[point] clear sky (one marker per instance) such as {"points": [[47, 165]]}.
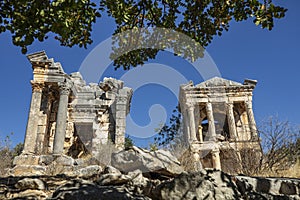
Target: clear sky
{"points": [[246, 51]]}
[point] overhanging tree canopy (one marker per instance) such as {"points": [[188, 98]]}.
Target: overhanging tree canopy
{"points": [[71, 21]]}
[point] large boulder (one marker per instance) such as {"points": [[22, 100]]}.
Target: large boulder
{"points": [[160, 161], [78, 190], [212, 184], [275, 187]]}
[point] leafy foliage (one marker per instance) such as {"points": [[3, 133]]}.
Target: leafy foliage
{"points": [[153, 147], [168, 132], [200, 20], [70, 21], [128, 142]]}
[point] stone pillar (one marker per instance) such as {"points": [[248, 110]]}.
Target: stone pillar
{"points": [[32, 124], [192, 125], [47, 135], [187, 134], [211, 122], [61, 119], [231, 121], [216, 162], [251, 119], [200, 133], [121, 107]]}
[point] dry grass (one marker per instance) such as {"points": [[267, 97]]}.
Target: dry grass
{"points": [[292, 172]]}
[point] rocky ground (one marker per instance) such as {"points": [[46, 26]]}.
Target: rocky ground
{"points": [[140, 174], [112, 184]]}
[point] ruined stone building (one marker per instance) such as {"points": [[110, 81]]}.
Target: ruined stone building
{"points": [[219, 124], [69, 118], [65, 111]]}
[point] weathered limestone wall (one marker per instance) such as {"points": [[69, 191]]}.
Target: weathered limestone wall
{"points": [[217, 118], [69, 117]]}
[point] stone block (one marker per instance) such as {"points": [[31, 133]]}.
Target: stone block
{"points": [[111, 170], [64, 161], [113, 179], [26, 160], [28, 170], [30, 183], [121, 114], [87, 171], [46, 159], [41, 129]]}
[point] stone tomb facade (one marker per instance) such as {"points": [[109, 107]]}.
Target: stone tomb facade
{"points": [[68, 117], [218, 123]]}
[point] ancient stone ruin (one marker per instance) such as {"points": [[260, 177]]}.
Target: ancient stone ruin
{"points": [[69, 121], [219, 124], [69, 117]]}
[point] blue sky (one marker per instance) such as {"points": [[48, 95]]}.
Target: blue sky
{"points": [[246, 51]]}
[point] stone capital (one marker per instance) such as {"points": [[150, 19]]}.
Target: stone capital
{"points": [[64, 89], [229, 104], [191, 106], [36, 86], [248, 104]]}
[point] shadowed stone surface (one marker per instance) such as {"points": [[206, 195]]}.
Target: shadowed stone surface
{"points": [[208, 184]]}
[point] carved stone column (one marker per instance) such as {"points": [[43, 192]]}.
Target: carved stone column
{"points": [[186, 126], [200, 133], [51, 98], [231, 121], [61, 119], [192, 125], [211, 122], [32, 124], [251, 119], [216, 162]]}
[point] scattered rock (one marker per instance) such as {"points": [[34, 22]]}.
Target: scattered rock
{"points": [[86, 190], [83, 162], [28, 170], [278, 187], [111, 170], [64, 160], [28, 194], [206, 184], [30, 183], [289, 188], [138, 179], [160, 161], [113, 179], [214, 185], [87, 171]]}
